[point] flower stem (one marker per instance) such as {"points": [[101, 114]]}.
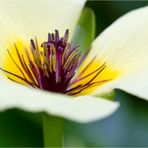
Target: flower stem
{"points": [[52, 130]]}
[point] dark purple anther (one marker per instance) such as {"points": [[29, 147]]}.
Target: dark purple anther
{"points": [[59, 65], [53, 66]]}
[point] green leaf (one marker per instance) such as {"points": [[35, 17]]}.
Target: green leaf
{"points": [[17, 131], [85, 30]]}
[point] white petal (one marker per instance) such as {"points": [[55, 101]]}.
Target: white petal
{"points": [[136, 84], [124, 44], [38, 17], [81, 109]]}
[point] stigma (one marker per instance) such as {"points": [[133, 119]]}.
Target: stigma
{"points": [[53, 66]]}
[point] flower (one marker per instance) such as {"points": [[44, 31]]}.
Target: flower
{"points": [[111, 60], [53, 66]]}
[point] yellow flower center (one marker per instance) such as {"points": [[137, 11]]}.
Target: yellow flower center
{"points": [[56, 65]]}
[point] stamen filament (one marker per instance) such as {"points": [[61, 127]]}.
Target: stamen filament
{"points": [[53, 66]]}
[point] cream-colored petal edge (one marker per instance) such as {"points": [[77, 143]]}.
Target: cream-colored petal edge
{"points": [[81, 109]]}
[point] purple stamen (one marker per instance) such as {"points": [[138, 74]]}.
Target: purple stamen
{"points": [[53, 68]]}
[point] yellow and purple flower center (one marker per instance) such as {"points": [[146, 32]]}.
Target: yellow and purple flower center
{"points": [[54, 65]]}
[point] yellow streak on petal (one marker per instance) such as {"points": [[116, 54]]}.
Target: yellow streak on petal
{"points": [[106, 75], [8, 63]]}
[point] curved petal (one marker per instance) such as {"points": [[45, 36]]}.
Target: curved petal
{"points": [[124, 46], [31, 18], [81, 109], [135, 84]]}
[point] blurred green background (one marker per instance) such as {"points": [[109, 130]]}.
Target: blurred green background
{"points": [[127, 127]]}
